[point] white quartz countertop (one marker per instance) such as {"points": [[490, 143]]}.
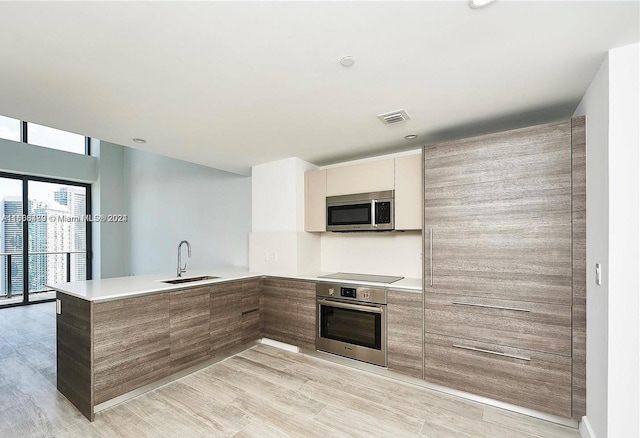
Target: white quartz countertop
{"points": [[109, 289]]}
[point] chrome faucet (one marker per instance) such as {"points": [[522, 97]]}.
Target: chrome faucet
{"points": [[180, 268]]}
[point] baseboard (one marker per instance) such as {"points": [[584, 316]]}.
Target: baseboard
{"points": [[585, 429], [280, 345]]}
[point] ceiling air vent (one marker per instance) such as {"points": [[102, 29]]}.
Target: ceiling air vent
{"points": [[394, 117]]}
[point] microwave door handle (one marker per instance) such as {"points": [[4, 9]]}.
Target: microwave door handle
{"points": [[373, 213]]}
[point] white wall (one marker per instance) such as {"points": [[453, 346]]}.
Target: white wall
{"points": [[613, 327], [278, 243], [274, 196], [171, 200], [108, 196], [595, 105], [624, 261], [373, 253]]}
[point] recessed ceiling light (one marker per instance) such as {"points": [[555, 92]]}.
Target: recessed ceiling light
{"points": [[477, 4], [348, 61], [139, 140], [410, 136]]}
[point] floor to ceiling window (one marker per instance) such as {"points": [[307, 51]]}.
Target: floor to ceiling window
{"points": [[11, 272], [44, 234], [52, 214]]}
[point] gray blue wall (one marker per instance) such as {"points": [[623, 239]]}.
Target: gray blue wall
{"points": [[170, 200], [167, 200]]}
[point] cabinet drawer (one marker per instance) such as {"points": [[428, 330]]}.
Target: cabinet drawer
{"points": [[131, 344], [251, 325], [527, 378], [521, 324], [225, 324], [189, 323], [404, 333], [251, 294]]}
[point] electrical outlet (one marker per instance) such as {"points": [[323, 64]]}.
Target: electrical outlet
{"points": [[274, 256], [266, 256], [59, 307]]}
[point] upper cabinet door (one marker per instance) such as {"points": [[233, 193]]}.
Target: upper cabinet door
{"points": [[499, 206], [315, 201], [408, 177], [376, 176]]}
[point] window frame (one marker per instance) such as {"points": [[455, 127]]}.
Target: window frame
{"points": [[25, 230], [24, 138]]}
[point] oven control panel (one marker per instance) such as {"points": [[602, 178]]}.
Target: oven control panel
{"points": [[352, 292], [348, 292]]}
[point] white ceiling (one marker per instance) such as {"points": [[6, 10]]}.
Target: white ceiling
{"points": [[233, 84]]}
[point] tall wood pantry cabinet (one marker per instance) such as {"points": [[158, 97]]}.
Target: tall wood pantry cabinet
{"points": [[504, 302]]}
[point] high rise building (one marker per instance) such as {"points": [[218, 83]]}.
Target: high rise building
{"points": [[49, 239], [75, 199], [59, 236], [37, 239], [11, 242]]}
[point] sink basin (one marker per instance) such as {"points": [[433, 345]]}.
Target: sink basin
{"points": [[189, 279]]}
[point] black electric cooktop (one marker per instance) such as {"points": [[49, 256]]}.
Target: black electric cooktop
{"points": [[362, 277]]}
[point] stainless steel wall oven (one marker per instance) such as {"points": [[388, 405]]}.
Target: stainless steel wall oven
{"points": [[352, 321]]}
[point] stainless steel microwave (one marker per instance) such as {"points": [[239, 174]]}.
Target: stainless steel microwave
{"points": [[361, 212]]}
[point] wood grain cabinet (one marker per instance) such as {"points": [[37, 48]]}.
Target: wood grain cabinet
{"points": [[498, 266], [251, 310], [404, 332], [527, 324], [189, 327], [225, 317], [131, 344], [306, 317], [532, 379], [108, 349], [289, 312], [74, 367]]}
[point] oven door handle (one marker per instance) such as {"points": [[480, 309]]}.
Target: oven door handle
{"points": [[341, 305]]}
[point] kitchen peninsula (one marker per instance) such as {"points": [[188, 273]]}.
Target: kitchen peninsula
{"points": [[119, 337]]}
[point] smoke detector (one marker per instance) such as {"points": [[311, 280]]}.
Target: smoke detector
{"points": [[394, 117]]}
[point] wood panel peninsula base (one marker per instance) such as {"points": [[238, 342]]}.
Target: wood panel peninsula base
{"points": [[111, 350]]}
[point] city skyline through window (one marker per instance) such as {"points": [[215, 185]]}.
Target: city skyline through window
{"points": [[11, 285], [56, 241]]}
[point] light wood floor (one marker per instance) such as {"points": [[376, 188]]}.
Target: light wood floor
{"points": [[263, 392]]}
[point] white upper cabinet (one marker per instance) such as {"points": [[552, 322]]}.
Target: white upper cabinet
{"points": [[375, 176], [408, 186], [315, 201], [403, 174]]}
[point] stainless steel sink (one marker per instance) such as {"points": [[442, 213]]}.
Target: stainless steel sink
{"points": [[189, 279]]}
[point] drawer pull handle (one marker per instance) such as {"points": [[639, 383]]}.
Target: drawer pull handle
{"points": [[246, 312], [497, 353], [516, 309]]}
